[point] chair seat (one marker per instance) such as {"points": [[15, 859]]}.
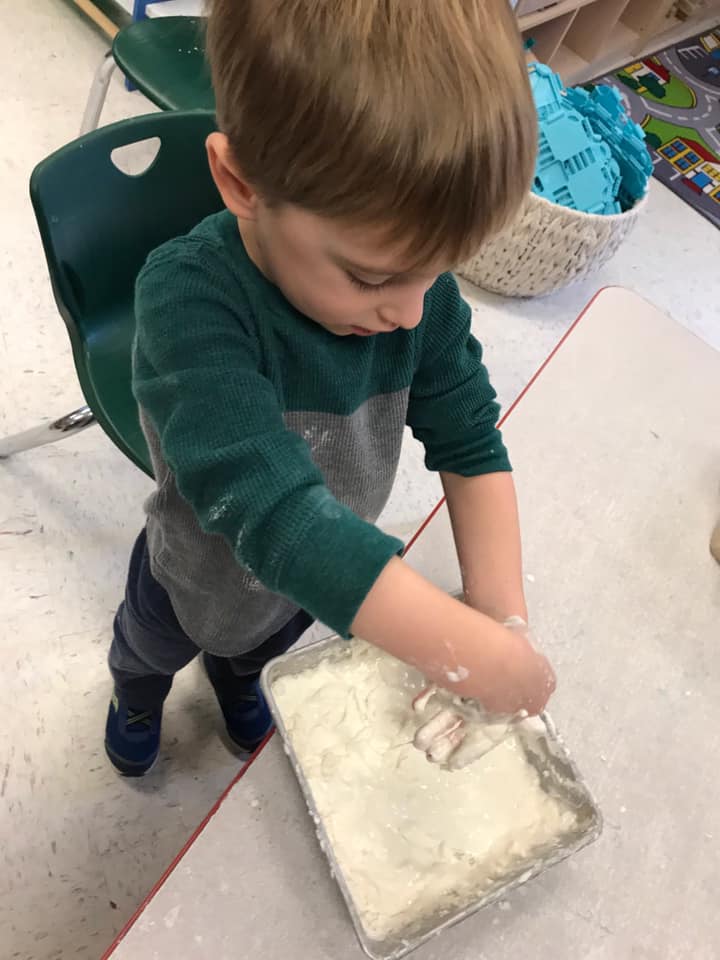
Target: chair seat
{"points": [[106, 381], [165, 59]]}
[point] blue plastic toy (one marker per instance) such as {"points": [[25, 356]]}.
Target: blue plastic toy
{"points": [[590, 155], [603, 107]]}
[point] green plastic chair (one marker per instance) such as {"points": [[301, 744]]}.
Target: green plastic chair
{"points": [[98, 226], [164, 58]]}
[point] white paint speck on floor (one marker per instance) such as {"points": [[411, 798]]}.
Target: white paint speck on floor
{"points": [[79, 847]]}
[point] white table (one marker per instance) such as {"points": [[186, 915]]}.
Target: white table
{"points": [[616, 446]]}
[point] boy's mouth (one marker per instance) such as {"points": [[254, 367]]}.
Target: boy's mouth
{"points": [[363, 332]]}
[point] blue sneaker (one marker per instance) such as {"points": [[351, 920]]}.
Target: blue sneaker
{"points": [[132, 737], [247, 715]]}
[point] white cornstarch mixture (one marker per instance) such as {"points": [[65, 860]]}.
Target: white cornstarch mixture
{"points": [[412, 839]]}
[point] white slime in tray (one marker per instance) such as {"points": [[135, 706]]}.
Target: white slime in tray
{"points": [[411, 838]]}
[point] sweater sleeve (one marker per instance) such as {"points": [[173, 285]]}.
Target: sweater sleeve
{"points": [[452, 407], [222, 434]]}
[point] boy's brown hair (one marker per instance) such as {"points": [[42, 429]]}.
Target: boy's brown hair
{"points": [[415, 114]]}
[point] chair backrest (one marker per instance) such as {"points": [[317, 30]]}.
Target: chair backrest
{"points": [[98, 225]]}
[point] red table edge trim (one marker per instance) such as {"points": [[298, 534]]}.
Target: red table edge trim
{"points": [[184, 849], [216, 806]]}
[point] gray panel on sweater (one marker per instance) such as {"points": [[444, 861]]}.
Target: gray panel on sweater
{"points": [[221, 606]]}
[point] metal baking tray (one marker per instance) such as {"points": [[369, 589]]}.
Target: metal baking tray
{"points": [[544, 750]]}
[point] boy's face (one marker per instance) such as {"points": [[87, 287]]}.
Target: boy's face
{"points": [[346, 278], [349, 279]]}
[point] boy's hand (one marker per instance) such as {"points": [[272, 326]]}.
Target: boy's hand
{"points": [[542, 686], [453, 645], [456, 730], [524, 680], [531, 682]]}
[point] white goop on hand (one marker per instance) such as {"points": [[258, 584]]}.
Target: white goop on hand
{"points": [[457, 731]]}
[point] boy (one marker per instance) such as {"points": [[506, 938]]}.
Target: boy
{"points": [[365, 146]]}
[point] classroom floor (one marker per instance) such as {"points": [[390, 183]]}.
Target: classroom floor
{"points": [[80, 847]]}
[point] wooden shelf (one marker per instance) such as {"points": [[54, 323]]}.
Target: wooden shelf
{"points": [[623, 41], [549, 35], [583, 39], [527, 21], [647, 16], [592, 27], [569, 65], [623, 45]]}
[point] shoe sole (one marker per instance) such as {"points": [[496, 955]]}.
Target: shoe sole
{"points": [[245, 745], [127, 769]]}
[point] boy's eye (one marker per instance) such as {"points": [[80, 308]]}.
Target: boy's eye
{"points": [[363, 285]]}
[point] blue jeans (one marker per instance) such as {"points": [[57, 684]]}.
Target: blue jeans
{"points": [[149, 646]]}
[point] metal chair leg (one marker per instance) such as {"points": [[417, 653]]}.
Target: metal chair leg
{"points": [[47, 433], [98, 93]]}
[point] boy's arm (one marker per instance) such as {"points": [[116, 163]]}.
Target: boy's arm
{"points": [[483, 512], [454, 413], [452, 644]]}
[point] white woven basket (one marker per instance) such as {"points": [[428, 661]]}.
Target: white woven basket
{"points": [[548, 247]]}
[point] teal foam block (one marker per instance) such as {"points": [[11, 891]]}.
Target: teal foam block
{"points": [[603, 107], [590, 156]]}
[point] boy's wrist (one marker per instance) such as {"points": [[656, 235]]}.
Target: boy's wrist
{"points": [[499, 611]]}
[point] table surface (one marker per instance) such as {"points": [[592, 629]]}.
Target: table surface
{"points": [[617, 460]]}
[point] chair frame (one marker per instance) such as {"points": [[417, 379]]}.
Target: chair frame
{"points": [[101, 80], [60, 429], [98, 93]]}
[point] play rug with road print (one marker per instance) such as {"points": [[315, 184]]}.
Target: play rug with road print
{"points": [[675, 96]]}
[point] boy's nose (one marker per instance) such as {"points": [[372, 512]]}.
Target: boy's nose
{"points": [[406, 314]]}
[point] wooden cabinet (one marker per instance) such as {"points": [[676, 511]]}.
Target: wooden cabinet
{"points": [[582, 39]]}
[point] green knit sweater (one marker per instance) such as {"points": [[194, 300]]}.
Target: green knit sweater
{"points": [[275, 443]]}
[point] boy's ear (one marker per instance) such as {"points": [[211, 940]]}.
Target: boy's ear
{"points": [[238, 196]]}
